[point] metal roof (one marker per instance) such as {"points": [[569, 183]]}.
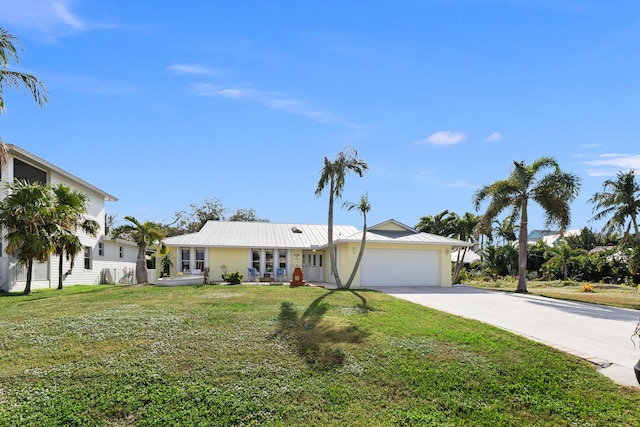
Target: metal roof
{"points": [[297, 236], [405, 237], [260, 235]]}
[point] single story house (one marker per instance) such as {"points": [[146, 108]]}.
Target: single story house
{"points": [[395, 254], [103, 260]]}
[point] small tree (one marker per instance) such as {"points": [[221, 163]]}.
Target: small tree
{"points": [[144, 234], [70, 208], [363, 207], [28, 213]]}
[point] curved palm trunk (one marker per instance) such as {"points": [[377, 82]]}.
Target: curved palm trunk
{"points": [[332, 252], [459, 265], [27, 288], [141, 264], [357, 264], [522, 250]]}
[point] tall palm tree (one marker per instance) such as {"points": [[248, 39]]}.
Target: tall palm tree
{"points": [[363, 207], [144, 234], [27, 213], [553, 192], [9, 48], [69, 217], [506, 229], [619, 200], [333, 174]]}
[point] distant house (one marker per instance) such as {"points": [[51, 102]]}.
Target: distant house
{"points": [[550, 237], [103, 259], [395, 254]]}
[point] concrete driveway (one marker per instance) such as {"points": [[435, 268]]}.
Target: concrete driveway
{"points": [[596, 333]]}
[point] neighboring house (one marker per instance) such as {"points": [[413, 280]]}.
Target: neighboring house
{"points": [[550, 237], [102, 258], [395, 254]]}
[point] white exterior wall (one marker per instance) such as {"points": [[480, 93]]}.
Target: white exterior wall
{"points": [[95, 211]]}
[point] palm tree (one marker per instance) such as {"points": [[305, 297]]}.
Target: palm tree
{"points": [[363, 207], [553, 192], [620, 199], [9, 48], [506, 230], [144, 234], [562, 255], [27, 213], [464, 229], [442, 224], [70, 209], [333, 174]]}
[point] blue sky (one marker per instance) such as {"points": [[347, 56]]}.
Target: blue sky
{"points": [[168, 105]]}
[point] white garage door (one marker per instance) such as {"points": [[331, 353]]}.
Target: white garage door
{"points": [[400, 267]]}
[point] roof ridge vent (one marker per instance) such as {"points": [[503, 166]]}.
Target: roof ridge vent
{"points": [[295, 229]]}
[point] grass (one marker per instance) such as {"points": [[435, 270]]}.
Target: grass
{"points": [[276, 356], [612, 295]]}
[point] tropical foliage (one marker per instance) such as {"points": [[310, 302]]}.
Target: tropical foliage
{"points": [[553, 192], [144, 234], [620, 202], [363, 207], [10, 47], [333, 175], [28, 214]]}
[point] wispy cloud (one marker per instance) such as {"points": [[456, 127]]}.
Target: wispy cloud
{"points": [[445, 137], [271, 99], [495, 136], [53, 18], [188, 69], [608, 164]]}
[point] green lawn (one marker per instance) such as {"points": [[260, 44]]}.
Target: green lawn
{"points": [[267, 355], [613, 295]]}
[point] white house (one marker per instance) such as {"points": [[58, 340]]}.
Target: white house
{"points": [[103, 260]]}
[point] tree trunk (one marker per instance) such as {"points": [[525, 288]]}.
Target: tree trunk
{"points": [[522, 250], [141, 264], [459, 265], [362, 243], [565, 270], [60, 270], [27, 288], [332, 252]]}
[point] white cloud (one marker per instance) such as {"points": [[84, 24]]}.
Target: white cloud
{"points": [[608, 164], [62, 12], [51, 18], [270, 99], [495, 136], [445, 137], [188, 69]]}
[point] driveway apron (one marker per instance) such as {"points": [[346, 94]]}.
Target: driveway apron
{"points": [[596, 333]]}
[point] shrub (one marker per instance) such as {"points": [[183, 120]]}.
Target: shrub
{"points": [[234, 278]]}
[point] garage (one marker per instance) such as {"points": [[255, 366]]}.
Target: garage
{"points": [[400, 267]]}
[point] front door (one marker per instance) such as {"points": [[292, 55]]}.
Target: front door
{"points": [[313, 266]]}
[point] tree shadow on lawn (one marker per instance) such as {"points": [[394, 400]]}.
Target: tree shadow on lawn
{"points": [[320, 342]]}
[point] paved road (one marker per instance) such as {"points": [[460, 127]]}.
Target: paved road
{"points": [[596, 333]]}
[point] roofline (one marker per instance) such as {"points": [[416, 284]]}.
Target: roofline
{"points": [[398, 223], [14, 149], [454, 244]]}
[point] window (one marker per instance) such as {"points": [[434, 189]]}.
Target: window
{"points": [[282, 258], [121, 253], [26, 172], [200, 259], [87, 258], [185, 259], [268, 266], [255, 259], [100, 248]]}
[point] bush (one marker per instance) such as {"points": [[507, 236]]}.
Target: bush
{"points": [[234, 278], [586, 287]]}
